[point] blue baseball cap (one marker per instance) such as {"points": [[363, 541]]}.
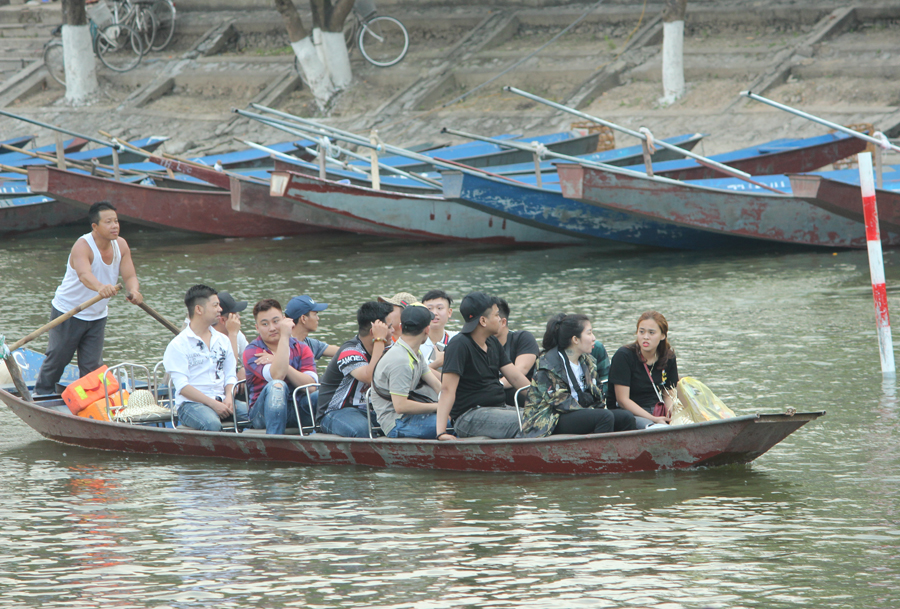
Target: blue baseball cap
{"points": [[302, 305]]}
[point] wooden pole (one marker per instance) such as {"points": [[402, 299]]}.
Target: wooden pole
{"points": [[165, 322], [60, 151], [537, 168], [879, 179], [373, 160], [116, 174]]}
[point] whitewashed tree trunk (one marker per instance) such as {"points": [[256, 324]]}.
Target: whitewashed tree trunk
{"points": [[337, 59], [314, 71], [82, 87], [673, 61]]}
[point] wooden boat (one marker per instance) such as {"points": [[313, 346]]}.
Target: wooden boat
{"points": [[778, 156], [29, 363], [251, 157], [729, 441], [482, 154], [28, 213], [431, 218], [103, 155], [845, 199], [207, 212], [18, 159], [18, 142], [546, 207], [768, 217]]}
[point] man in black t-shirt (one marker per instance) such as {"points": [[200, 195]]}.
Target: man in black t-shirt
{"points": [[471, 393], [521, 349]]}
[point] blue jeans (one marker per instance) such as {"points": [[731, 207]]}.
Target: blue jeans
{"points": [[491, 421], [349, 422], [274, 411], [200, 416], [423, 426]]}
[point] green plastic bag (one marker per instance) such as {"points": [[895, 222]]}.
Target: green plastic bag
{"points": [[695, 403]]}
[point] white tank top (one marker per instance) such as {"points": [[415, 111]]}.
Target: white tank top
{"points": [[71, 292]]}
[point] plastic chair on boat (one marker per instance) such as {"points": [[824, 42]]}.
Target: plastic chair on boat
{"points": [[234, 424], [369, 410], [524, 392], [311, 429]]}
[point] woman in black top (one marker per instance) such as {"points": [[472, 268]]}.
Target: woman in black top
{"points": [[642, 372]]}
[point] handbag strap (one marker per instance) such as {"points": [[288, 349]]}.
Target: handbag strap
{"points": [[658, 397], [584, 399]]}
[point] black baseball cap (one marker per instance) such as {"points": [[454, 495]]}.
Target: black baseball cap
{"points": [[230, 305], [415, 318], [472, 308]]}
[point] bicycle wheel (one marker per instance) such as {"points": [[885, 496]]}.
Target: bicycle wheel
{"points": [[383, 41], [119, 47], [53, 59], [164, 11], [145, 22]]}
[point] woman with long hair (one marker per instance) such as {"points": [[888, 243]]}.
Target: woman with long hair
{"points": [[566, 396], [643, 373]]}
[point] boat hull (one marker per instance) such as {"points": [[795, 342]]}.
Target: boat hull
{"points": [[196, 211], [729, 441], [552, 211], [768, 217], [431, 218], [846, 199], [36, 215]]}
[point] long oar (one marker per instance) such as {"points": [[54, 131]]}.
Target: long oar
{"points": [[7, 352], [706, 162], [165, 322]]}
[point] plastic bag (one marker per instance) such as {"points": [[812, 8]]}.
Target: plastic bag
{"points": [[695, 403]]}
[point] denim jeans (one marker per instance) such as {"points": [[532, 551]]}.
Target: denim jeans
{"points": [[422, 426], [349, 422], [200, 416], [493, 422], [274, 408]]}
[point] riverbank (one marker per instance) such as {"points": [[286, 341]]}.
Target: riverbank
{"points": [[839, 62]]}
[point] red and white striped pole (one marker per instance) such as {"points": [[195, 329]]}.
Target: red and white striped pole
{"points": [[876, 264]]}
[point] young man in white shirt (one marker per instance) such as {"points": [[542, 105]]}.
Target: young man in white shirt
{"points": [[201, 363], [440, 304]]}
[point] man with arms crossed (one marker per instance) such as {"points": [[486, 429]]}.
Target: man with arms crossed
{"points": [[276, 364], [342, 395], [400, 372], [201, 364], [471, 393], [93, 268]]}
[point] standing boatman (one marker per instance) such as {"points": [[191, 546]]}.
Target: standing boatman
{"points": [[93, 268]]}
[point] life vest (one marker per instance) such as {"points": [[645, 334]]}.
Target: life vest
{"points": [[89, 389]]}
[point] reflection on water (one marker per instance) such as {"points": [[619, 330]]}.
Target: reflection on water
{"points": [[813, 523]]}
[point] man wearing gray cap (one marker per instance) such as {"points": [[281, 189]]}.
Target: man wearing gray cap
{"points": [[404, 389]]}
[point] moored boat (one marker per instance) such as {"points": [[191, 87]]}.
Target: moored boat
{"points": [[207, 212], [777, 218], [728, 441], [845, 198]]}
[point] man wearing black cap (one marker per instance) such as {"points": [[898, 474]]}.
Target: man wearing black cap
{"points": [[305, 313], [229, 323], [471, 393], [401, 372]]}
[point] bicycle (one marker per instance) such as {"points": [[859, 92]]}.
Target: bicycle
{"points": [[119, 47], [138, 16], [164, 13], [383, 41]]}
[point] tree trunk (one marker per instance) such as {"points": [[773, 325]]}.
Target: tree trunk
{"points": [[315, 73], [673, 51], [329, 18], [82, 87]]}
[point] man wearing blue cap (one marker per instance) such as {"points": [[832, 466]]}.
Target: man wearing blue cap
{"points": [[305, 313]]}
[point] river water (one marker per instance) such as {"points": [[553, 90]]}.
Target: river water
{"points": [[813, 523]]}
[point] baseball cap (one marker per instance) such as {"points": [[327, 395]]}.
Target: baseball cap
{"points": [[472, 308], [302, 305], [400, 299], [230, 305], [415, 318]]}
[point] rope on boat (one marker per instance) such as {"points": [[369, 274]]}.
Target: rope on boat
{"points": [[651, 141]]}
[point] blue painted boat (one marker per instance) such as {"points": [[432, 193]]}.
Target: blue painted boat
{"points": [[251, 158], [546, 208], [101, 155], [30, 361], [18, 159], [777, 156], [18, 142]]}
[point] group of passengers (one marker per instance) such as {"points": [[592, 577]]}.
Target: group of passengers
{"points": [[420, 379]]}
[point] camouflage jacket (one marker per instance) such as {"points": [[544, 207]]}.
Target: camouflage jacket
{"points": [[551, 396]]}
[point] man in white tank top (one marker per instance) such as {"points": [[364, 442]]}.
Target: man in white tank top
{"points": [[94, 265]]}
